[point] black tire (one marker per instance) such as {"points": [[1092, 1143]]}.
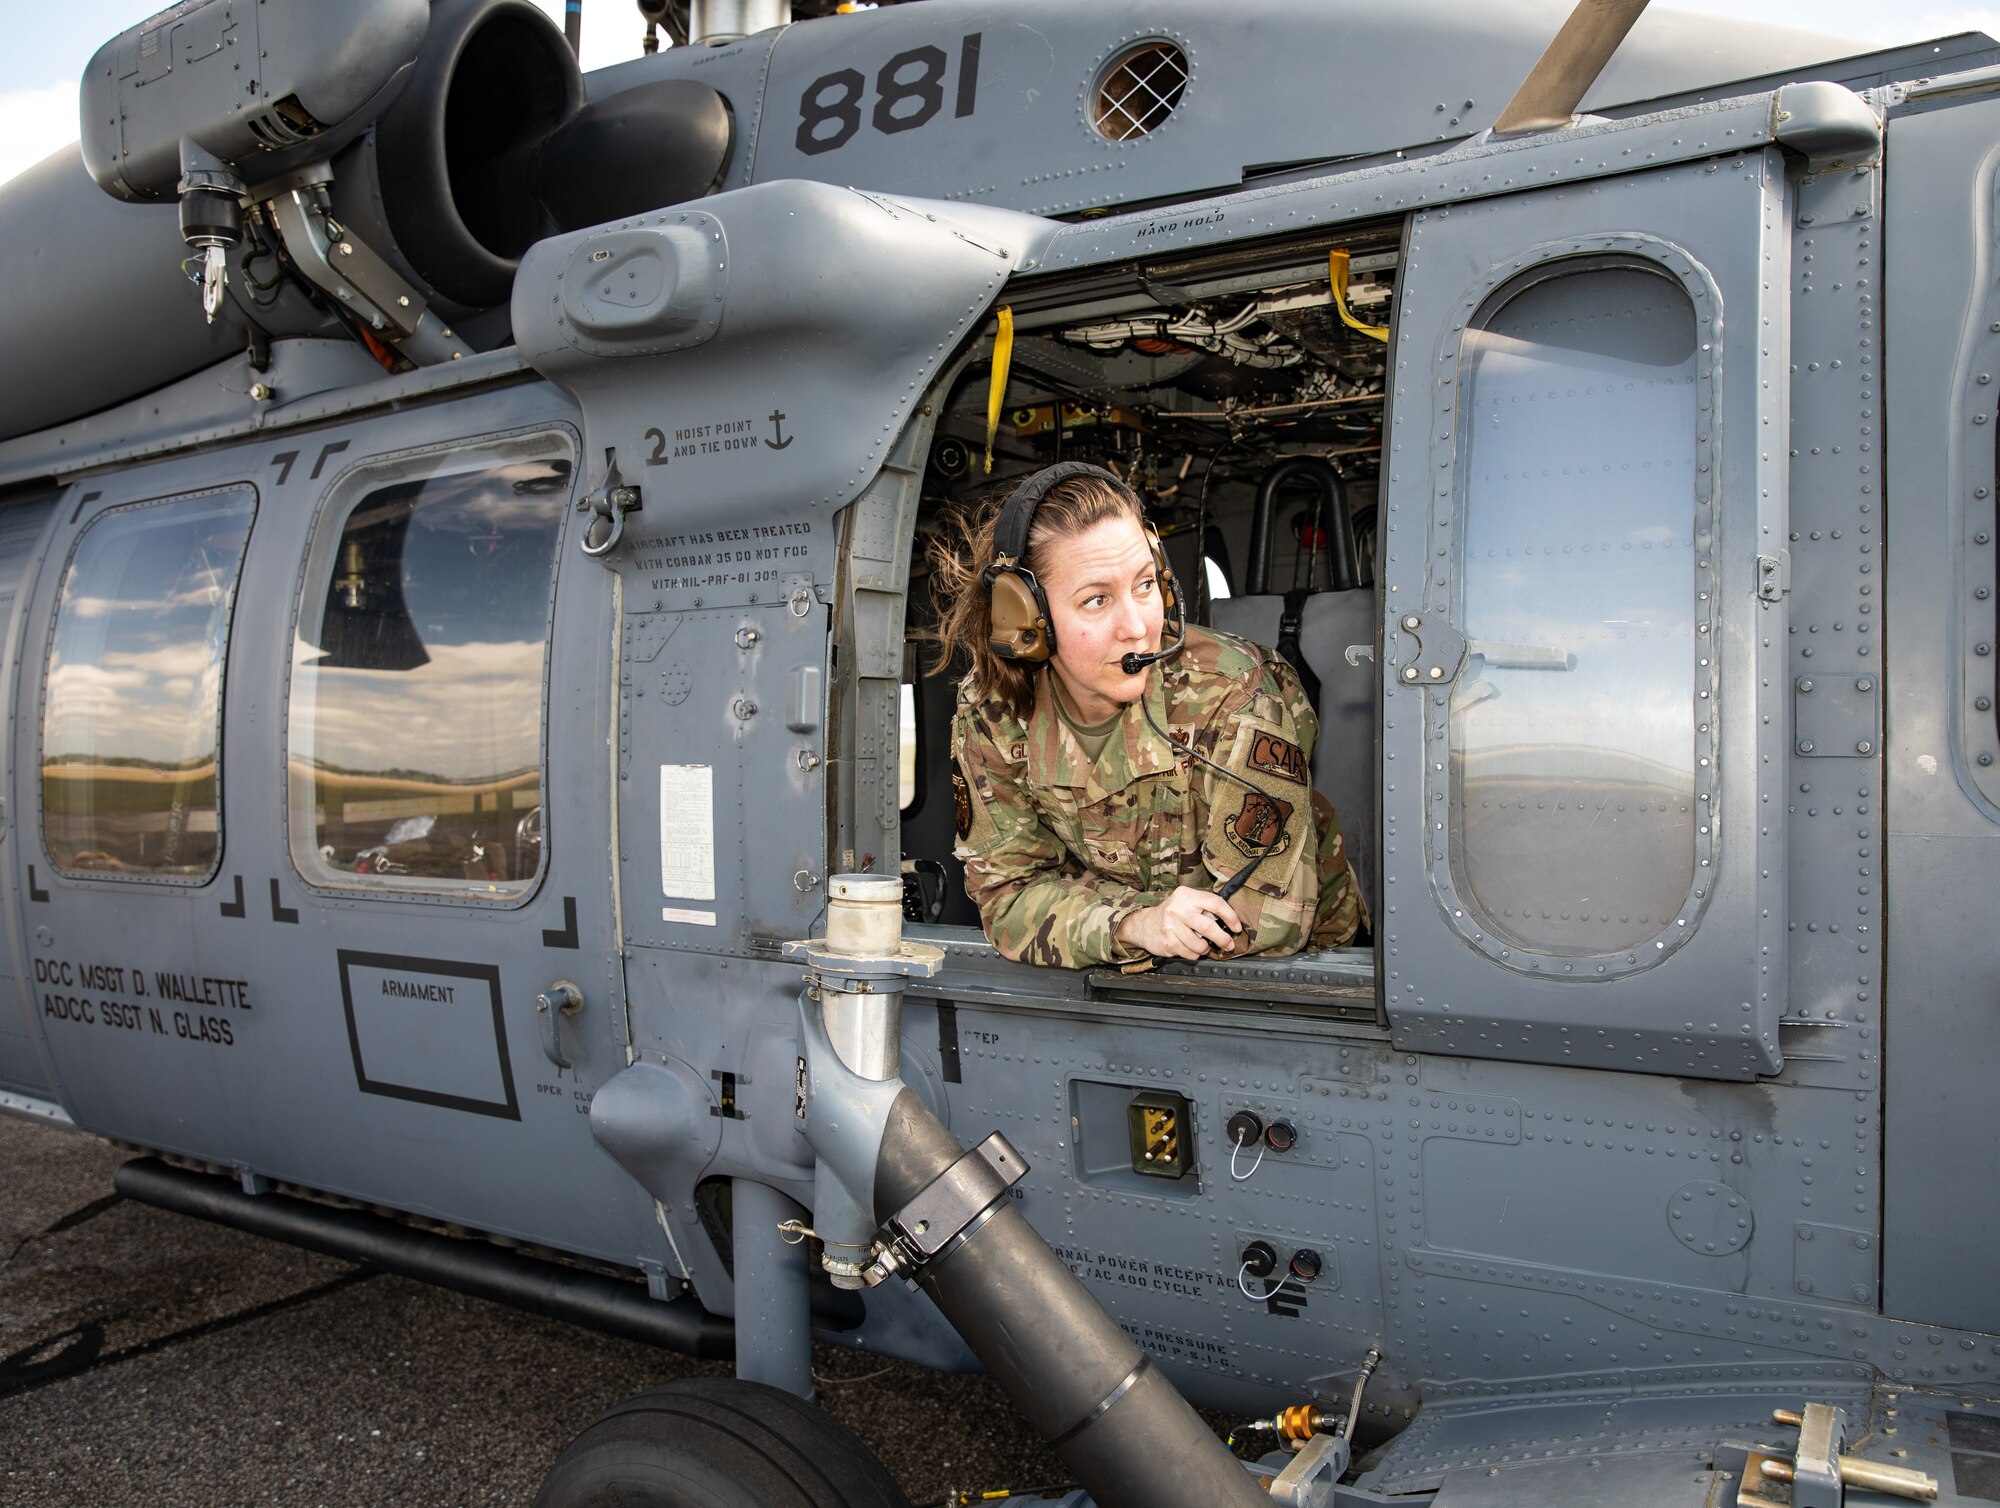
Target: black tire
{"points": [[714, 1442]]}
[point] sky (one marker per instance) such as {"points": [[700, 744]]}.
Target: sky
{"points": [[48, 46]]}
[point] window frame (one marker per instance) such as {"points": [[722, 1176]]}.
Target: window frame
{"points": [[1581, 255], [116, 877], [315, 564]]}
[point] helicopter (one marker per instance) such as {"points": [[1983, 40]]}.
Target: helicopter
{"points": [[477, 800]]}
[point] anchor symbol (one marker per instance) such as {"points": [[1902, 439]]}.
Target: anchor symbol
{"points": [[778, 429]]}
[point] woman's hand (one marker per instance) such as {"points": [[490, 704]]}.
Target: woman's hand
{"points": [[1189, 923]]}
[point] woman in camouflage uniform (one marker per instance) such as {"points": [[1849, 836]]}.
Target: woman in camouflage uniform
{"points": [[1107, 816]]}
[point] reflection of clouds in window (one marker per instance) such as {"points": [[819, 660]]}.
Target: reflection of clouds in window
{"points": [[134, 688], [507, 500], [146, 697], [200, 590], [416, 706], [1625, 685], [135, 672], [1573, 724], [469, 713]]}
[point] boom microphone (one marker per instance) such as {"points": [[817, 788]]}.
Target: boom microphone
{"points": [[1132, 664]]}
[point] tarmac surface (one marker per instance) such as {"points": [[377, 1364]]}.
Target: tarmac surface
{"points": [[151, 1358]]}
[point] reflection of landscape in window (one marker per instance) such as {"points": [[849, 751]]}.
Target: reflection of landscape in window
{"points": [[417, 685], [1573, 723], [132, 713]]}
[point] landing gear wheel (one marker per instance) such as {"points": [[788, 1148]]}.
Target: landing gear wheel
{"points": [[713, 1442]]}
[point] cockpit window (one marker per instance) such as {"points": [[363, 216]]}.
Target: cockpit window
{"points": [[416, 743], [131, 719]]}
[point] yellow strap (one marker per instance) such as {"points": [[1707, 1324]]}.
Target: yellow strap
{"points": [[996, 391], [1336, 266]]}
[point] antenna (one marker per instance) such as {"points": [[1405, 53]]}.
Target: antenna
{"points": [[1548, 96]]}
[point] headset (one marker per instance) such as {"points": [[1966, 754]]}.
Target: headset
{"points": [[1023, 629]]}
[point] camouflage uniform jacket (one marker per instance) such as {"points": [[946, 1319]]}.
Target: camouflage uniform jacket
{"points": [[1059, 850]]}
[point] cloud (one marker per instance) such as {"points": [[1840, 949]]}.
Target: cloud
{"points": [[35, 123]]}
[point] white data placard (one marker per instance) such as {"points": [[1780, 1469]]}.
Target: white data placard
{"points": [[687, 831]]}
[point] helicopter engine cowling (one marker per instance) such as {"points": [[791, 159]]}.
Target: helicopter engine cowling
{"points": [[489, 147], [470, 142], [442, 183]]}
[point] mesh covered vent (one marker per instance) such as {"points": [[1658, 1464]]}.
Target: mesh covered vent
{"points": [[1139, 90]]}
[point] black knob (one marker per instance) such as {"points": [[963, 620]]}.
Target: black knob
{"points": [[1245, 1127], [1306, 1264], [1260, 1259], [1281, 1136]]}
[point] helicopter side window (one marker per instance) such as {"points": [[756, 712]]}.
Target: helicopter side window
{"points": [[415, 760], [131, 717], [1573, 729]]}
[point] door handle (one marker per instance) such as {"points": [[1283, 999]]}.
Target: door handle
{"points": [[560, 999]]}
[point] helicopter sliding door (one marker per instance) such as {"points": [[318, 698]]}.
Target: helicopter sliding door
{"points": [[447, 707], [1579, 810]]}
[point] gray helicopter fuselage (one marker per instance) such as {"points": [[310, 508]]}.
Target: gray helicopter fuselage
{"points": [[1663, 1113]]}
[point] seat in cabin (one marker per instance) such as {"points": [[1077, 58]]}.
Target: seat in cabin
{"points": [[1329, 622]]}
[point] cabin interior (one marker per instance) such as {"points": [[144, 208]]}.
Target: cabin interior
{"points": [[1243, 395]]}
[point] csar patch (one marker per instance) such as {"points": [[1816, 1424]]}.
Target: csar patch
{"points": [[1259, 828], [961, 803], [1272, 755]]}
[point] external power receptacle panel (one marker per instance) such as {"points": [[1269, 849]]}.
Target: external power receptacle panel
{"points": [[1158, 1125]]}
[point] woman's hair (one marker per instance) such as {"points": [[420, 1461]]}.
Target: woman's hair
{"points": [[961, 554]]}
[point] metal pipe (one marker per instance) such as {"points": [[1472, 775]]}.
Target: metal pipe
{"points": [[1872, 1476], [865, 1027], [719, 21], [1344, 563], [473, 1267], [773, 1298], [1091, 1394]]}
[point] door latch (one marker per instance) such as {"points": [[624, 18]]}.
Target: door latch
{"points": [[1427, 651], [1774, 576], [560, 999]]}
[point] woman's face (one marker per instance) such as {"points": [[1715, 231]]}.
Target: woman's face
{"points": [[1105, 599]]}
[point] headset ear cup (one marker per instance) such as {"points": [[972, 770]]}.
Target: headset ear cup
{"points": [[1021, 629], [1170, 594]]}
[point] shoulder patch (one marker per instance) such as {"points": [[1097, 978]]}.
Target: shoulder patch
{"points": [[1258, 828], [961, 802], [1272, 755]]}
